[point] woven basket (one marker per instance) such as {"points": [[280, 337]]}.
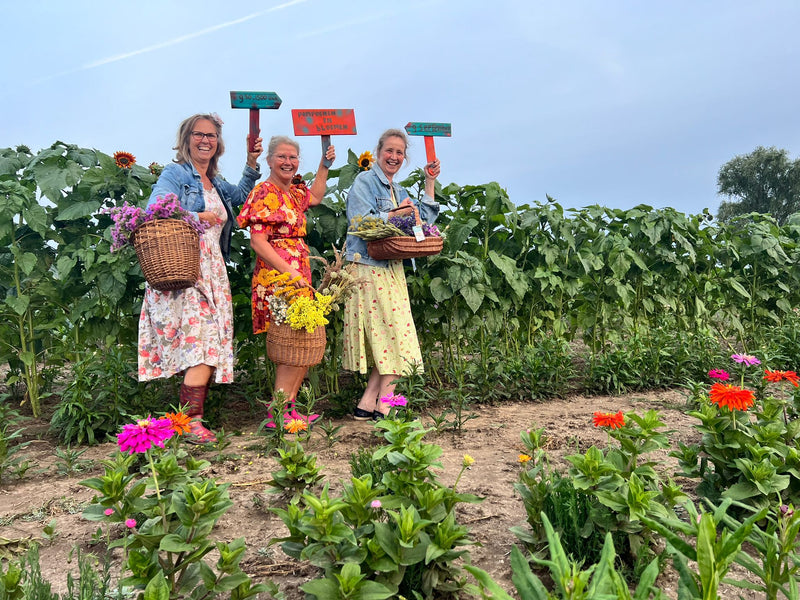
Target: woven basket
{"points": [[169, 253], [402, 246], [295, 347]]}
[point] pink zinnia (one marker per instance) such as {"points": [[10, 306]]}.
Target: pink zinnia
{"points": [[394, 400], [376, 504], [130, 523], [747, 359], [144, 434], [108, 512], [719, 374]]}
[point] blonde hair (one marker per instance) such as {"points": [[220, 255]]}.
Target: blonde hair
{"points": [[393, 133], [277, 140], [182, 144]]}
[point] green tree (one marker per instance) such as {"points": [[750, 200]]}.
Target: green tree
{"points": [[764, 181]]}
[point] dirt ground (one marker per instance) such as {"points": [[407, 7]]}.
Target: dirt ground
{"points": [[492, 439]]}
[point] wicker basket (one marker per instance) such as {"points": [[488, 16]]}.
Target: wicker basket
{"points": [[169, 253], [295, 347], [401, 246]]}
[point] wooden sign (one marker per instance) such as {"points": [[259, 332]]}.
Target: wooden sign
{"points": [[325, 123], [429, 130], [254, 101]]}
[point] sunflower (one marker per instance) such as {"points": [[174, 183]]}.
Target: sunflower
{"points": [[365, 160], [124, 160]]}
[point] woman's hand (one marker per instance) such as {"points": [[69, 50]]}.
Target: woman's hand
{"points": [[252, 157], [209, 217], [330, 155], [433, 169], [300, 282], [406, 207]]}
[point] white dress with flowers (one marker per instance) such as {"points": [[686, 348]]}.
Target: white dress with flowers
{"points": [[194, 326]]}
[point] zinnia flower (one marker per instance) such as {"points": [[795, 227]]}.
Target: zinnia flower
{"points": [[295, 425], [468, 460], [365, 161], [610, 420], [179, 421], [124, 160], [392, 400], [734, 397], [144, 434], [747, 359], [719, 374], [376, 504], [776, 376], [108, 512], [130, 523], [523, 458]]}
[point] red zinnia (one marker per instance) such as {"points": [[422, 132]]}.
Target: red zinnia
{"points": [[610, 420], [776, 376], [734, 397]]}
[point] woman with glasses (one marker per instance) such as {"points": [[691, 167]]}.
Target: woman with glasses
{"points": [[275, 212], [190, 331]]}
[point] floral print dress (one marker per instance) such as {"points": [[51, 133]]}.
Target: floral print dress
{"points": [[194, 326], [282, 217]]}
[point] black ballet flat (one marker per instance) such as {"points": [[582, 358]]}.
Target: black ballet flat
{"points": [[359, 414]]}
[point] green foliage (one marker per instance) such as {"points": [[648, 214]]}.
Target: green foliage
{"points": [[604, 493], [298, 470], [600, 581], [99, 398], [713, 553], [383, 538], [165, 551], [776, 561], [748, 456], [11, 458], [763, 181]]}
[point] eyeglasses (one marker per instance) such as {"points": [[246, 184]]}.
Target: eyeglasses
{"points": [[287, 157], [198, 136]]}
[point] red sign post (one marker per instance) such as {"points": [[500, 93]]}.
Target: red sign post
{"points": [[325, 123]]}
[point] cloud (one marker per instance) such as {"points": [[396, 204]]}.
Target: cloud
{"points": [[167, 43]]}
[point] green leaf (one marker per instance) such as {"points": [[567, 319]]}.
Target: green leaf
{"points": [[78, 210], [19, 304], [473, 297], [36, 218], [27, 263], [157, 588], [175, 543]]}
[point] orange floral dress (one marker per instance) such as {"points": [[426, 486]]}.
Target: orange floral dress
{"points": [[282, 217]]}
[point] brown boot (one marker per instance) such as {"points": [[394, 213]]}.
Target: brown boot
{"points": [[193, 397]]}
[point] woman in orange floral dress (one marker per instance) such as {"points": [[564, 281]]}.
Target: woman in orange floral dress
{"points": [[275, 211]]}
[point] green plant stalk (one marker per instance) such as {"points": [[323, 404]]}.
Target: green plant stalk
{"points": [[27, 346]]}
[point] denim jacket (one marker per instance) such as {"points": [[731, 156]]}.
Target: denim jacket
{"points": [[370, 196], [183, 180]]}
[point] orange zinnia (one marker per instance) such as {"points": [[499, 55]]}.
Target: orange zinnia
{"points": [[734, 397], [523, 458], [124, 160], [610, 420], [776, 376], [296, 425], [179, 421]]}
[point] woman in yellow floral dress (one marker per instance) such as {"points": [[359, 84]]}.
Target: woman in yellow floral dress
{"points": [[275, 212]]}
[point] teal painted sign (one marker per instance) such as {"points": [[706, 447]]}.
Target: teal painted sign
{"points": [[255, 100], [437, 129]]}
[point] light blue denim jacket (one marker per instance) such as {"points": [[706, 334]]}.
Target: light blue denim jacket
{"points": [[184, 181], [370, 196]]}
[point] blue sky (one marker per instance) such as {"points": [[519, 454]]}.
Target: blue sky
{"points": [[615, 103]]}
